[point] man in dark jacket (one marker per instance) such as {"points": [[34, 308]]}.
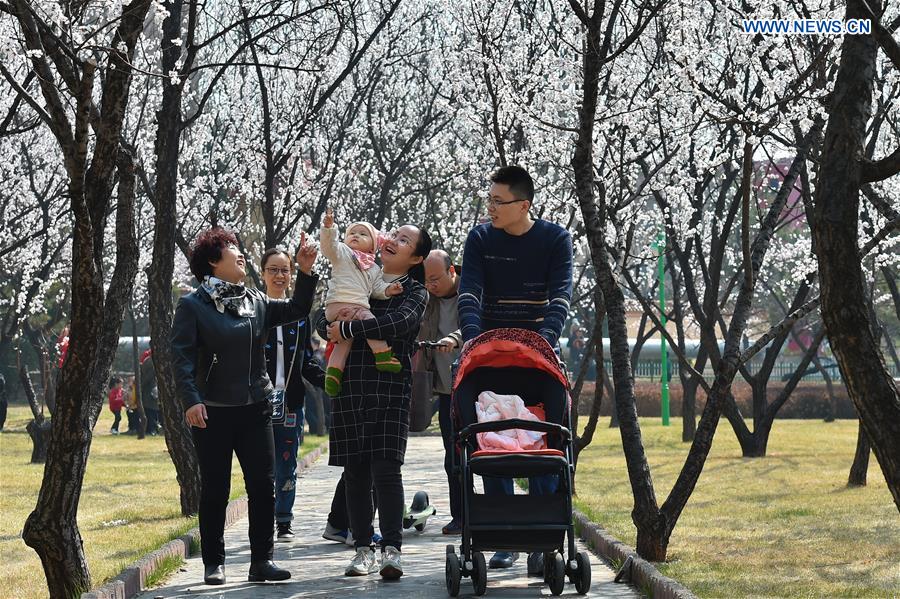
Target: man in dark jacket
{"points": [[298, 364]]}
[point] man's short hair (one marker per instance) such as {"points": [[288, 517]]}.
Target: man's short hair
{"points": [[519, 181]]}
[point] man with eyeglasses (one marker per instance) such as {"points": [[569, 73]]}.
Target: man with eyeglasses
{"points": [[441, 323], [518, 274]]}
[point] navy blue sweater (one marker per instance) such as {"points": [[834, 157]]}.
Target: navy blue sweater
{"points": [[522, 281]]}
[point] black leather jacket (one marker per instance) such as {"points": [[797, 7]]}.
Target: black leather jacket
{"points": [[220, 357], [296, 341]]}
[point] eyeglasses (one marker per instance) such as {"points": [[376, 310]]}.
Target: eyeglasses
{"points": [[399, 240], [278, 271], [435, 280], [493, 203]]}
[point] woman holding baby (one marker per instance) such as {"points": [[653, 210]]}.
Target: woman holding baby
{"points": [[374, 327]]}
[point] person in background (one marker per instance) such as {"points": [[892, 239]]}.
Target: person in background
{"points": [[3, 401], [116, 403], [289, 360], [149, 392], [441, 323], [131, 408]]}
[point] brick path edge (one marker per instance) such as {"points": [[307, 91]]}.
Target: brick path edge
{"points": [[643, 574], [130, 581]]}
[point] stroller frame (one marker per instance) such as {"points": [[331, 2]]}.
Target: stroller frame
{"points": [[556, 539]]}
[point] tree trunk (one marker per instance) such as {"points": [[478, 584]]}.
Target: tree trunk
{"points": [[39, 427], [178, 435], [39, 431], [52, 528], [688, 408], [860, 467], [844, 303]]}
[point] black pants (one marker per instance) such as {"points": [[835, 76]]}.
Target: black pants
{"points": [[118, 418], [152, 420], [339, 516], [3, 406], [449, 449], [247, 432], [385, 475]]}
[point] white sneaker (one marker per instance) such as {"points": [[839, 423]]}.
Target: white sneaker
{"points": [[390, 563], [363, 563]]}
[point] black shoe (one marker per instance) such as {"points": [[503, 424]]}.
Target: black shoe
{"points": [[214, 574], [285, 533], [536, 564], [502, 559], [262, 571]]}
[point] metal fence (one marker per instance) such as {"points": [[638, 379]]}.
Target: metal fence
{"points": [[782, 371]]}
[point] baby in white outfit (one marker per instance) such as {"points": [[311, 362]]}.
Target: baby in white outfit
{"points": [[355, 277]]}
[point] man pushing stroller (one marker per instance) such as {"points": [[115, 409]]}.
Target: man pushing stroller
{"points": [[517, 274]]}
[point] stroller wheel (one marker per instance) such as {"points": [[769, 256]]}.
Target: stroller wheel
{"points": [[557, 573], [583, 575], [420, 527], [479, 573], [452, 572]]}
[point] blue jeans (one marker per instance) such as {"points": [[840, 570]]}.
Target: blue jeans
{"points": [[537, 485], [288, 437]]}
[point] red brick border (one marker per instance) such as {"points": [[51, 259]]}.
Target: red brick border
{"points": [[130, 581]]}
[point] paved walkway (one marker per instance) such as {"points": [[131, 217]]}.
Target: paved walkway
{"points": [[317, 565]]}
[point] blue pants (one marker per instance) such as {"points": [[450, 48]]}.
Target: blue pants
{"points": [[288, 437], [537, 485]]}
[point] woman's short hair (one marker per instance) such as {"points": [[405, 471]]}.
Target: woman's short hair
{"points": [[423, 248], [207, 247]]}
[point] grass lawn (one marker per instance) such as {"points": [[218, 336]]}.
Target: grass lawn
{"points": [[129, 503], [782, 526]]}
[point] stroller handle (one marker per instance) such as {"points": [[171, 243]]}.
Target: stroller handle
{"points": [[502, 425]]}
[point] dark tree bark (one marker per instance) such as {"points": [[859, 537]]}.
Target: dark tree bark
{"points": [[645, 515], [159, 275], [844, 302], [96, 316], [39, 428], [860, 467]]}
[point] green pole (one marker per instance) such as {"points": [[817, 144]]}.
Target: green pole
{"points": [[663, 354]]}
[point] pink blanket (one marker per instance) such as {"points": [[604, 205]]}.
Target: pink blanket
{"points": [[491, 407]]}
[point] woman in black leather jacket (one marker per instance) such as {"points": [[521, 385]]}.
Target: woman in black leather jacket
{"points": [[218, 337]]}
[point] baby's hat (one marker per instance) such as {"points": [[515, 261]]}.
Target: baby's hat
{"points": [[373, 232]]}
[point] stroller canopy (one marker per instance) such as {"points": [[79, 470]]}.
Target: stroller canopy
{"points": [[510, 347]]}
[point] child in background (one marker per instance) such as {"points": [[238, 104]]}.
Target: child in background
{"points": [[116, 401], [131, 408], [355, 277]]}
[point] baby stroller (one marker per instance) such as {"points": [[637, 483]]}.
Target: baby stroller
{"points": [[515, 362]]}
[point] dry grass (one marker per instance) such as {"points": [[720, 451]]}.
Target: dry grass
{"points": [[129, 503], [782, 526]]}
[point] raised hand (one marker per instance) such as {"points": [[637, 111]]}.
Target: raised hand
{"points": [[306, 254], [329, 217]]}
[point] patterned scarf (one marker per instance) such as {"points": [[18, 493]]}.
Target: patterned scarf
{"points": [[364, 260], [228, 296]]}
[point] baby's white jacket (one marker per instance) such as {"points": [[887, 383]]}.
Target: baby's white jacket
{"points": [[349, 283]]}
